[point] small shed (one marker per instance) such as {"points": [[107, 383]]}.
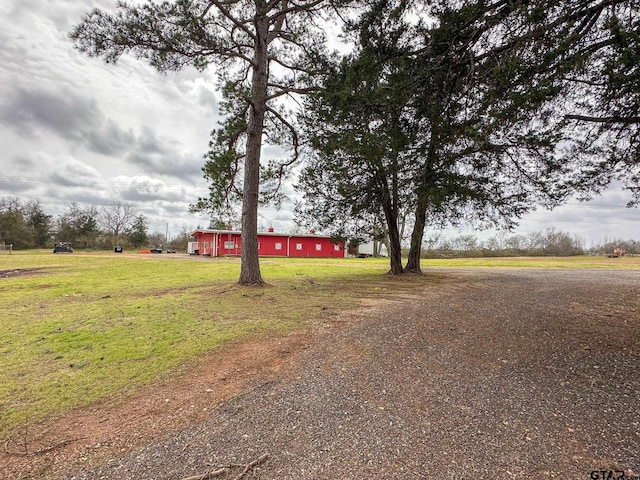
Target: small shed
{"points": [[224, 243]]}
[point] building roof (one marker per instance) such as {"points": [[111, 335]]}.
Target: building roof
{"points": [[272, 234]]}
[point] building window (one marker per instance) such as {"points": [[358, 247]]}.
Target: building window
{"points": [[298, 246], [258, 245], [229, 245], [318, 247], [278, 246], [336, 247]]}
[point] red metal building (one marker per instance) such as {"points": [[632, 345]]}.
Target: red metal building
{"points": [[222, 243]]}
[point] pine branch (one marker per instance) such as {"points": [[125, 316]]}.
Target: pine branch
{"points": [[609, 120]]}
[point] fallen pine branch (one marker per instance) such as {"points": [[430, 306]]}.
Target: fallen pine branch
{"points": [[27, 453], [207, 476], [247, 468]]}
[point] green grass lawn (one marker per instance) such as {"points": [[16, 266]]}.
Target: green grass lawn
{"points": [[82, 327], [78, 328]]}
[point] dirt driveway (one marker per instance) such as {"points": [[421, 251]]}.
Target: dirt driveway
{"points": [[483, 374]]}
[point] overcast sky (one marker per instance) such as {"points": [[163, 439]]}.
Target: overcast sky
{"points": [[76, 130]]}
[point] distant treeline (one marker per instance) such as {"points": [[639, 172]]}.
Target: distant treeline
{"points": [[548, 242], [26, 225]]}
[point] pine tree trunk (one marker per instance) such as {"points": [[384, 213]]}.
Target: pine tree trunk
{"points": [[415, 249], [413, 261], [391, 209], [395, 250], [250, 262]]}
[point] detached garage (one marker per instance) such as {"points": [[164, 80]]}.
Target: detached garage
{"points": [[223, 243]]}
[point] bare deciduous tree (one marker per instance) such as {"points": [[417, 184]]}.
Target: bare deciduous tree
{"points": [[116, 218]]}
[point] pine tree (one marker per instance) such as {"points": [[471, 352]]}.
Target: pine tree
{"points": [[261, 51]]}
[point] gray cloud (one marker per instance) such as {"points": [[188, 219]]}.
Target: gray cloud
{"points": [[30, 113], [75, 174], [63, 14], [145, 189], [110, 139], [149, 143], [163, 158], [77, 119], [12, 186], [169, 163], [27, 111]]}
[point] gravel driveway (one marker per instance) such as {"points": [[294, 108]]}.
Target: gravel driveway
{"points": [[484, 373]]}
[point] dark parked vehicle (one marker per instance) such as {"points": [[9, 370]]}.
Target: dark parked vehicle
{"points": [[62, 247]]}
